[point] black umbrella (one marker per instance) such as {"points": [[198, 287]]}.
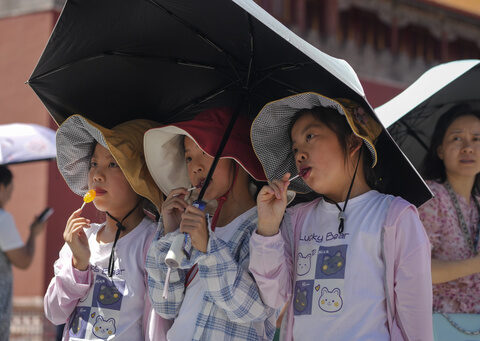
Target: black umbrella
{"points": [[411, 116], [167, 60]]}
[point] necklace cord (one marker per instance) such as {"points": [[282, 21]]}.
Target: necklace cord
{"points": [[341, 214], [120, 228], [467, 235]]}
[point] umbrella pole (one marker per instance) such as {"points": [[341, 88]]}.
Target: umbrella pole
{"points": [[225, 137], [175, 255]]}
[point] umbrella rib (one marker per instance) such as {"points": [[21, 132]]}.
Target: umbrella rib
{"points": [[414, 134], [65, 66], [289, 87], [252, 50], [201, 100], [230, 58], [280, 67], [285, 67], [178, 61]]}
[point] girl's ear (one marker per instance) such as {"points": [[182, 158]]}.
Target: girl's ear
{"points": [[354, 144]]}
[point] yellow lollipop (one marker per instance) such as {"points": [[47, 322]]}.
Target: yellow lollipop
{"points": [[88, 197]]}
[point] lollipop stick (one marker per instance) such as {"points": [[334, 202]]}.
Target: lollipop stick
{"points": [[83, 205], [188, 190], [296, 176]]}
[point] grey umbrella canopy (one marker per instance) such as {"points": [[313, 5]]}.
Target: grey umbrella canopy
{"points": [[412, 115]]}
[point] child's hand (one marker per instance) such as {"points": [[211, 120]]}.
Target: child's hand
{"points": [[173, 208], [271, 204], [77, 240], [195, 224]]}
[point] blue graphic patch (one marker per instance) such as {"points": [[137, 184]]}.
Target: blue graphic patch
{"points": [[331, 262], [78, 322], [302, 301], [107, 293]]}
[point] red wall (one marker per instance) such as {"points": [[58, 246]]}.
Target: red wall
{"points": [[39, 184], [378, 93], [21, 42]]}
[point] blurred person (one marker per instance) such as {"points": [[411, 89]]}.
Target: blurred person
{"points": [[451, 218], [12, 250]]}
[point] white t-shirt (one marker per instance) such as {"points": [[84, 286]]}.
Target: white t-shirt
{"points": [[9, 237], [184, 325], [113, 307], [339, 292]]}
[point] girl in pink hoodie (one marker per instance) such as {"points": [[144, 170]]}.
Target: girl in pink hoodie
{"points": [[353, 264]]}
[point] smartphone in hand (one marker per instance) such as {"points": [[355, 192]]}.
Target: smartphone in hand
{"points": [[46, 213]]}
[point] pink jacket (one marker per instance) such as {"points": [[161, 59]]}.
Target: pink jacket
{"points": [[69, 285], [406, 253]]}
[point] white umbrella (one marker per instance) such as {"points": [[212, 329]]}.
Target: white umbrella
{"points": [[20, 142], [412, 115]]}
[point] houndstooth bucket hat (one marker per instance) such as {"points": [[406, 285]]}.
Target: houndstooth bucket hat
{"points": [[76, 138], [271, 142]]}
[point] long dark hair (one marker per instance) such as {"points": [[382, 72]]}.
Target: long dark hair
{"points": [[339, 125], [433, 166]]}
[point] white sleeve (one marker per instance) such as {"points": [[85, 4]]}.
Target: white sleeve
{"points": [[9, 237]]}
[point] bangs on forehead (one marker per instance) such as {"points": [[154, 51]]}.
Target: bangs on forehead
{"points": [[105, 151]]}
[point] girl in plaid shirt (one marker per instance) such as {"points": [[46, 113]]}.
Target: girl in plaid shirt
{"points": [[211, 295]]}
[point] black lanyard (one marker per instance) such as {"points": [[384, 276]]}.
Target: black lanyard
{"points": [[341, 214], [120, 228], [473, 244]]}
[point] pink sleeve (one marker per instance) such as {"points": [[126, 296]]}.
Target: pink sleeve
{"points": [[65, 289], [271, 266], [155, 327], [413, 280]]}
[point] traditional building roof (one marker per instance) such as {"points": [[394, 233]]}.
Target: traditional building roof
{"points": [[468, 7]]}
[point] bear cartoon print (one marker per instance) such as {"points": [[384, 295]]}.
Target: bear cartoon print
{"points": [[320, 276], [104, 329], [330, 301], [304, 263], [96, 315]]}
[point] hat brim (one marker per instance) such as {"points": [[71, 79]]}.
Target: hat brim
{"points": [[76, 138], [165, 157], [164, 154], [75, 141]]}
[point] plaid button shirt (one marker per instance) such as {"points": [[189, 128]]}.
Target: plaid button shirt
{"points": [[232, 307]]}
